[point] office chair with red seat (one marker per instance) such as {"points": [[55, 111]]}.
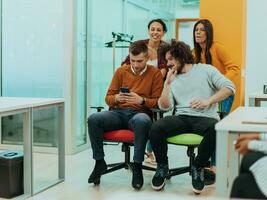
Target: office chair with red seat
{"points": [[126, 137]]}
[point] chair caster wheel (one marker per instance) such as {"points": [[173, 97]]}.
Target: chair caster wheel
{"points": [[97, 182]]}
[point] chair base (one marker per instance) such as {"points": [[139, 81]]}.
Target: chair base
{"points": [[178, 171], [117, 166], [122, 165], [126, 164], [182, 170]]}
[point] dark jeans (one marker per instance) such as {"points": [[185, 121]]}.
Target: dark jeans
{"points": [[175, 125], [245, 185], [100, 122]]}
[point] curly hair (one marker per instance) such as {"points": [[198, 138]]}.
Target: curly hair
{"points": [[181, 52]]}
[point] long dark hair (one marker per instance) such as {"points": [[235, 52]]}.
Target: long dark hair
{"points": [[209, 33]]}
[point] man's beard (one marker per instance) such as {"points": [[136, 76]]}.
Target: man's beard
{"points": [[180, 69]]}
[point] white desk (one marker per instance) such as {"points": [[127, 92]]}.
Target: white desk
{"points": [[227, 129], [255, 99], [25, 106]]}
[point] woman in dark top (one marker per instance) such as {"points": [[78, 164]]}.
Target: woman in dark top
{"points": [[156, 31]]}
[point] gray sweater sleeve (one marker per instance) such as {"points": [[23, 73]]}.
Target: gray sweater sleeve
{"points": [[218, 80]]}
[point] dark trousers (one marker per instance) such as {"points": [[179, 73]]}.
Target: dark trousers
{"points": [[100, 122], [245, 185], [175, 125]]}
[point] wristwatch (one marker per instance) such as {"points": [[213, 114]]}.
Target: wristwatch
{"points": [[143, 101]]}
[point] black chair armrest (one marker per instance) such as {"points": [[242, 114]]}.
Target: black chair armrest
{"points": [[157, 112], [222, 114], [98, 108]]}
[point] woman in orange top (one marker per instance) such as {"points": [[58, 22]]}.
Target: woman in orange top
{"points": [[210, 52], [206, 50]]}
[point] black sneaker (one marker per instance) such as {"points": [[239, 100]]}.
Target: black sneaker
{"points": [[209, 177], [158, 181], [138, 179], [197, 179], [100, 167]]}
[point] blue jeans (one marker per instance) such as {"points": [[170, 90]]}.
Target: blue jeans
{"points": [[116, 119], [149, 148]]}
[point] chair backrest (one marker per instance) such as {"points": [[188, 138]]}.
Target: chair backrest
{"points": [[225, 106]]}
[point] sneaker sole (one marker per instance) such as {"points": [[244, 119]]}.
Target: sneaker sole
{"points": [[197, 191], [158, 188]]}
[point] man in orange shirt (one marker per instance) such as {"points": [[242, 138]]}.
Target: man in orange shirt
{"points": [[135, 88]]}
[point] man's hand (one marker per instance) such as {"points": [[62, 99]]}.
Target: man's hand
{"points": [[199, 103], [120, 98], [131, 97], [170, 76]]}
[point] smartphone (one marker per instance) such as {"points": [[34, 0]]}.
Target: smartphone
{"points": [[124, 90]]}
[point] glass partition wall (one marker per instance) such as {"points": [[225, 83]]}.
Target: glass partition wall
{"points": [[119, 16], [56, 48], [44, 54], [80, 73]]}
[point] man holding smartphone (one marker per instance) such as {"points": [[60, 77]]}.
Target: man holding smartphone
{"points": [[134, 89]]}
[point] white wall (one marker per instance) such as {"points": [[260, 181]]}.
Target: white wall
{"points": [[183, 11], [256, 50]]}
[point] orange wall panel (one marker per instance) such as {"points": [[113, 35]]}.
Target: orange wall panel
{"points": [[229, 22]]}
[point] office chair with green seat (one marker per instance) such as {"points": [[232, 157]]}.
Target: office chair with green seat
{"points": [[192, 141], [189, 140]]}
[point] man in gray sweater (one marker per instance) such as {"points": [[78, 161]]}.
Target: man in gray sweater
{"points": [[195, 90]]}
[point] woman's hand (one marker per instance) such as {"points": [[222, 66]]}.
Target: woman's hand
{"points": [[242, 146], [242, 141]]}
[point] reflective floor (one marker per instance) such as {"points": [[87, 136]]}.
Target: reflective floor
{"points": [[118, 184]]}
